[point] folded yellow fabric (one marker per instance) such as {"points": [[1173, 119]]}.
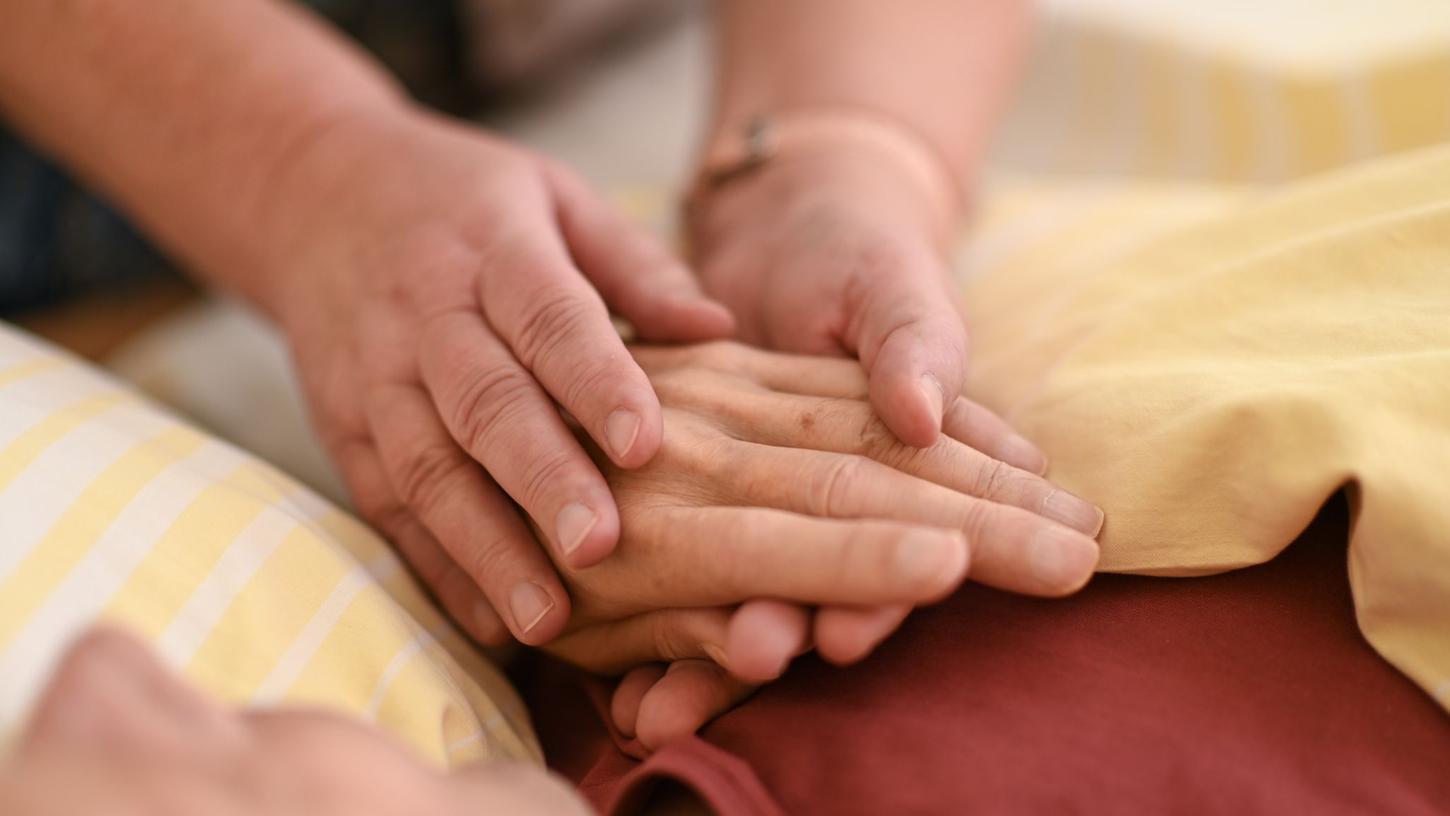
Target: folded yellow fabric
{"points": [[1213, 386], [252, 585]]}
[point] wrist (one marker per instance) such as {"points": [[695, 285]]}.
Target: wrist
{"points": [[823, 178], [826, 146], [303, 193]]}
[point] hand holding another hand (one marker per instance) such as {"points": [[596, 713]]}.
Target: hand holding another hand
{"points": [[444, 293], [782, 513]]}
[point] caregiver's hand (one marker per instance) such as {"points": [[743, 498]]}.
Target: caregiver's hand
{"points": [[838, 250], [776, 480], [442, 291]]}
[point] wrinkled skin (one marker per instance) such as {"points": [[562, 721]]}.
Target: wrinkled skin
{"points": [[443, 293], [782, 513]]}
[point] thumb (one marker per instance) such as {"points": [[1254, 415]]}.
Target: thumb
{"points": [[634, 273], [913, 342]]}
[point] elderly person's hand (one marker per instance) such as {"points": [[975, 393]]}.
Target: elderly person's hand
{"points": [[777, 481], [444, 293]]}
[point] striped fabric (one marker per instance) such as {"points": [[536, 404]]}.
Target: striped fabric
{"points": [[1237, 90], [249, 583]]}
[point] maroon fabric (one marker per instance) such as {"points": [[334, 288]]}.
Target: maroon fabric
{"points": [[1247, 692]]}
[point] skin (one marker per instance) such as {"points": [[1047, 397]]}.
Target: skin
{"points": [[759, 447], [762, 448], [831, 247], [418, 267], [116, 732], [443, 292]]}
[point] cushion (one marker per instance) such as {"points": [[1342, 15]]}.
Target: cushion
{"points": [[246, 581]]}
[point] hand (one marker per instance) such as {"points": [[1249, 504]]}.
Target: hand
{"points": [[838, 252], [117, 732], [442, 291], [777, 480]]}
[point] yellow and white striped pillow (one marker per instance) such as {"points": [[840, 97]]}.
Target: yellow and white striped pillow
{"points": [[252, 585]]}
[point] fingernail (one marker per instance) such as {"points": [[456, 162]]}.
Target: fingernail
{"points": [[1062, 559], [573, 525], [926, 559], [1072, 511], [621, 429], [1018, 452], [932, 390], [529, 603]]}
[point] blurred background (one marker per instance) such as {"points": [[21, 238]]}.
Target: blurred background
{"points": [[1236, 93]]}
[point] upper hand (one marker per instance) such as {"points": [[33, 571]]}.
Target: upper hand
{"points": [[837, 252], [442, 292]]}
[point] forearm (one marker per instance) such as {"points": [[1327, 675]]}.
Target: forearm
{"points": [[941, 68], [182, 112]]}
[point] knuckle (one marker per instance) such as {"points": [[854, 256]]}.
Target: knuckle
{"points": [[594, 385], [876, 441], [545, 473], [554, 315], [422, 478], [991, 478], [833, 490], [665, 637], [976, 519], [486, 402], [484, 560]]}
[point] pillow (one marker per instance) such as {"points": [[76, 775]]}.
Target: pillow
{"points": [[250, 584]]}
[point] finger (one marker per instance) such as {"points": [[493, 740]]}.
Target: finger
{"points": [[624, 705], [913, 343], [662, 635], [1011, 548], [635, 273], [965, 420], [498, 414], [974, 425], [763, 637], [848, 426], [680, 558], [470, 518], [691, 693], [558, 329], [458, 593], [846, 634], [373, 495]]}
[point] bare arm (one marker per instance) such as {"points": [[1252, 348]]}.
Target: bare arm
{"points": [[838, 242], [443, 292], [940, 67], [180, 111]]}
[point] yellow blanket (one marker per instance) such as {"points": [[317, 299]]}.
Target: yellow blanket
{"points": [[1212, 388]]}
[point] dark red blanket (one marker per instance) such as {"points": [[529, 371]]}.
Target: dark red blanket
{"points": [[1247, 692]]}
